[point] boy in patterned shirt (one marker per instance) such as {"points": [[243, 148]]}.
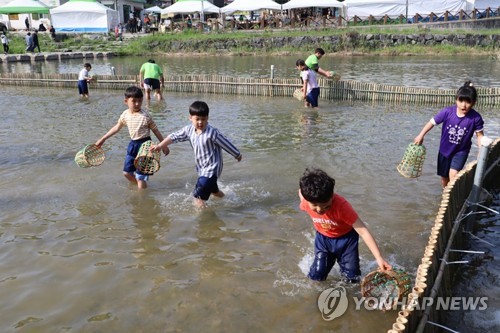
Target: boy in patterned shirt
{"points": [[207, 142], [139, 123]]}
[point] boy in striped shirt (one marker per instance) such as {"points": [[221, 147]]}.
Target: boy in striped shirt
{"points": [[207, 142], [139, 123]]}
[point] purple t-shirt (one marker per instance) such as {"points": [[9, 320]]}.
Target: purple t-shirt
{"points": [[457, 132]]}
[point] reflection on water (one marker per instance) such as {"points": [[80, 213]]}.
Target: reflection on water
{"points": [[83, 251]]}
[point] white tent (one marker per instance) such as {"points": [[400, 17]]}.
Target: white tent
{"points": [[24, 7], [83, 16], [376, 8], [395, 8], [312, 3], [154, 9], [191, 6], [425, 7], [483, 4], [245, 5]]}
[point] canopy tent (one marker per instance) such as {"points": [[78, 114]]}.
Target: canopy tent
{"points": [[245, 5], [190, 6], [395, 8], [312, 3], [154, 9], [425, 7], [24, 7], [83, 16], [376, 8], [485, 4]]}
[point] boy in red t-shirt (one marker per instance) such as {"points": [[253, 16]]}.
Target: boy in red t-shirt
{"points": [[338, 228]]}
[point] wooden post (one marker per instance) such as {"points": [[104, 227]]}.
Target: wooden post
{"points": [[386, 17], [446, 16], [370, 19]]}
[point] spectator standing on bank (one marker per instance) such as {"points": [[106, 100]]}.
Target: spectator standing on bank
{"points": [[36, 43], [5, 43], [27, 23], [29, 42], [52, 31]]}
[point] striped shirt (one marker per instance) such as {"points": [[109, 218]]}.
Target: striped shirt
{"points": [[207, 148], [139, 123]]}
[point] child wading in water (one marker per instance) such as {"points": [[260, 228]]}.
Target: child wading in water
{"points": [[207, 142], [310, 87], [139, 124], [460, 122], [338, 228]]}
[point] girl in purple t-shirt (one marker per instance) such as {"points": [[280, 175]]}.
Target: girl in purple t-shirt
{"points": [[460, 122]]}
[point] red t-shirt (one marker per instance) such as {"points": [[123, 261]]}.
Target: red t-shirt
{"points": [[336, 221]]}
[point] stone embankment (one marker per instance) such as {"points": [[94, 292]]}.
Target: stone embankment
{"points": [[54, 56]]}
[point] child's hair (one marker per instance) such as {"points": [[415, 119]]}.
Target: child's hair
{"points": [[302, 63], [151, 61], [467, 92], [133, 92], [320, 51], [316, 186], [199, 108], [87, 65]]}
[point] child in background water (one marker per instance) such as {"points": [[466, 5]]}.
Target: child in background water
{"points": [[310, 87]]}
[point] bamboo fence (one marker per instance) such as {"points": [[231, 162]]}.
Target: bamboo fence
{"points": [[434, 279], [343, 90]]}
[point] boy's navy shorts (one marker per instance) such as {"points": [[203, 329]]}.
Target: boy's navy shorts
{"points": [[83, 87], [312, 97], [455, 162], [205, 187], [152, 84], [343, 249], [132, 151]]}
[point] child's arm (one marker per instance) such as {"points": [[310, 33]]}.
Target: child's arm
{"points": [[115, 129], [158, 135], [367, 237], [162, 145], [324, 73], [304, 88], [419, 139]]}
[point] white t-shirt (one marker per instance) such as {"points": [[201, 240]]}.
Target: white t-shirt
{"points": [[310, 76], [5, 40], [83, 74]]}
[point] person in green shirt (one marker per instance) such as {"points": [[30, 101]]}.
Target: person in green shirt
{"points": [[152, 79], [313, 62]]}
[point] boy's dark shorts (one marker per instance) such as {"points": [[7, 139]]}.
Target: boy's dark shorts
{"points": [[343, 249], [83, 87], [153, 83], [455, 162], [132, 151], [205, 187]]}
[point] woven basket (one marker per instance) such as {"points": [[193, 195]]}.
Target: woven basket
{"points": [[413, 161], [388, 287], [89, 156], [94, 78], [334, 76], [298, 94], [147, 162]]}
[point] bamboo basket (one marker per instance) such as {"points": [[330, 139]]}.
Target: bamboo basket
{"points": [[147, 162], [334, 76], [89, 156], [413, 161], [388, 287], [298, 94]]}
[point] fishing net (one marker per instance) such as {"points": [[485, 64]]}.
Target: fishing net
{"points": [[413, 161], [384, 289], [89, 156], [147, 162]]}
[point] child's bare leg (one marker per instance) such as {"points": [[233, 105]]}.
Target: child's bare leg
{"points": [[219, 194], [199, 203], [141, 184], [130, 177]]}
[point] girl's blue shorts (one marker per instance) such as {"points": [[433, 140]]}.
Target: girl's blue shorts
{"points": [[312, 97], [83, 87], [455, 162]]}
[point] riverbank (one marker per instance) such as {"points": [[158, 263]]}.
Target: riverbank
{"points": [[414, 40]]}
